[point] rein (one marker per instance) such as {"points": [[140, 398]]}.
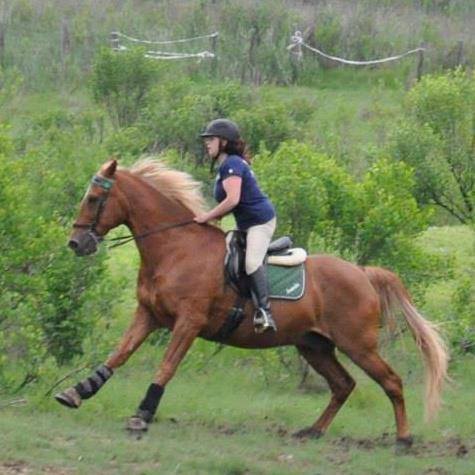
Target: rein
{"points": [[125, 239], [106, 184]]}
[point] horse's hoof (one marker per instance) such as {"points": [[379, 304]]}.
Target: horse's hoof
{"points": [[403, 444], [69, 398], [136, 425], [308, 433]]}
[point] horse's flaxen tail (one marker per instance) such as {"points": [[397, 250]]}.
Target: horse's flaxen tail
{"points": [[394, 296]]}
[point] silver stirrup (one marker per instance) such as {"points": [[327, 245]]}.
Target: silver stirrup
{"points": [[263, 321]]}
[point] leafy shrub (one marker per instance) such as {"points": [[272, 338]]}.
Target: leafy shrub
{"points": [[373, 222], [178, 111], [121, 81], [463, 301], [290, 177], [463, 325], [10, 82], [266, 124], [437, 139], [50, 299], [175, 116], [128, 143]]}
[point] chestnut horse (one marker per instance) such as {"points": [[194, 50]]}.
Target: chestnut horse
{"points": [[181, 286]]}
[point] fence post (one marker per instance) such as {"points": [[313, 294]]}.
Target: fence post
{"points": [[2, 44], [459, 57], [65, 43], [420, 63], [296, 60], [214, 60], [114, 39]]}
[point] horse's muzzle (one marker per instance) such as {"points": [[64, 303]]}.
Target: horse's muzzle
{"points": [[84, 244]]}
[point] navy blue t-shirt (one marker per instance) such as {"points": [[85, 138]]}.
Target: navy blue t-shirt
{"points": [[254, 207]]}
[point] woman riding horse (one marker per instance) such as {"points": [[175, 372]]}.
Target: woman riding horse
{"points": [[237, 191], [181, 286]]}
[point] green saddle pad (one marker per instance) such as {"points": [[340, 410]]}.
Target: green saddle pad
{"points": [[286, 282]]}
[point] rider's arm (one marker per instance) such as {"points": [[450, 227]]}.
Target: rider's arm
{"points": [[232, 187]]}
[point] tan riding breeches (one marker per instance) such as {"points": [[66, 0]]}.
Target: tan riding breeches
{"points": [[258, 240]]}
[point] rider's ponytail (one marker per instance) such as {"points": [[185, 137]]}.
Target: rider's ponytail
{"points": [[238, 147]]}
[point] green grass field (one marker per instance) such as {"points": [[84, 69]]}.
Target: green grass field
{"points": [[227, 419], [234, 413]]}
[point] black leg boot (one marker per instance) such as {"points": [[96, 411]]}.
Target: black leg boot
{"points": [[263, 320]]}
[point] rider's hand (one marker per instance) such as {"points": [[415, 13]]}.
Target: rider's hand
{"points": [[201, 218]]}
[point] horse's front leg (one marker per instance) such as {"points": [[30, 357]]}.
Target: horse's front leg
{"points": [[142, 325], [186, 329]]}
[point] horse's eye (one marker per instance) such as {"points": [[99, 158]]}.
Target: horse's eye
{"points": [[92, 199]]}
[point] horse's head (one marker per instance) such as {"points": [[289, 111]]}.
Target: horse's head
{"points": [[99, 212]]}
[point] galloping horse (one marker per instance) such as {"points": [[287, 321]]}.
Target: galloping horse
{"points": [[181, 286]]}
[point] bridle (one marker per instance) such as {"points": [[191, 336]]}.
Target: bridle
{"points": [[106, 184]]}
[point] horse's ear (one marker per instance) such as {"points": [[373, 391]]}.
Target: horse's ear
{"points": [[109, 168]]}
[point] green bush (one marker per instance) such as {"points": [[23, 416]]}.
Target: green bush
{"points": [[290, 177], [121, 81], [128, 143], [50, 299], [463, 325], [437, 140], [266, 124], [178, 111], [373, 221], [20, 333]]}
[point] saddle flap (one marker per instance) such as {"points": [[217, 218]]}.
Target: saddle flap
{"points": [[234, 260]]}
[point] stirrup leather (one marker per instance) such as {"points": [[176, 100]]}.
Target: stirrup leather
{"points": [[263, 321]]}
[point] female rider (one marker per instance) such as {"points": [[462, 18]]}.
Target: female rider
{"points": [[236, 190]]}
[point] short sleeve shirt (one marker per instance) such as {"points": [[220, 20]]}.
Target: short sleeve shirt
{"points": [[254, 207]]}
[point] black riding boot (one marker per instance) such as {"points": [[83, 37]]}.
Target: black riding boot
{"points": [[263, 320]]}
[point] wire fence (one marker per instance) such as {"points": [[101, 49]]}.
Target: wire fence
{"points": [[117, 38], [297, 43]]}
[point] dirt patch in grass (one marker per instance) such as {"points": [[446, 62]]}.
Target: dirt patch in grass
{"points": [[450, 447], [19, 467], [435, 471], [14, 467]]}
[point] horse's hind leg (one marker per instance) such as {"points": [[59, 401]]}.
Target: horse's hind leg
{"points": [[372, 363], [320, 354]]}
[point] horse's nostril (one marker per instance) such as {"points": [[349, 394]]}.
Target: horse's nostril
{"points": [[73, 244]]}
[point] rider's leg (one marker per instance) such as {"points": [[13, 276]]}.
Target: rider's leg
{"points": [[258, 240]]}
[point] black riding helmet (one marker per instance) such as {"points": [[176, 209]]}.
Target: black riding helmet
{"points": [[224, 128]]}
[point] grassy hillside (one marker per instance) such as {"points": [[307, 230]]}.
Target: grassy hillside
{"points": [[63, 36]]}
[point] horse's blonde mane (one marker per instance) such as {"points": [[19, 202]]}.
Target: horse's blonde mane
{"points": [[174, 184]]}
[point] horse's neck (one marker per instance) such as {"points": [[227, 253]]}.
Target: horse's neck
{"points": [[149, 210]]}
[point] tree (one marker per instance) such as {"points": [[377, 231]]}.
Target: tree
{"points": [[437, 139]]}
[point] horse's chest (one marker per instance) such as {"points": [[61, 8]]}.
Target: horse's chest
{"points": [[149, 296]]}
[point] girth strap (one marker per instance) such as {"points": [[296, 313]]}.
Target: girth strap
{"points": [[233, 320]]}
